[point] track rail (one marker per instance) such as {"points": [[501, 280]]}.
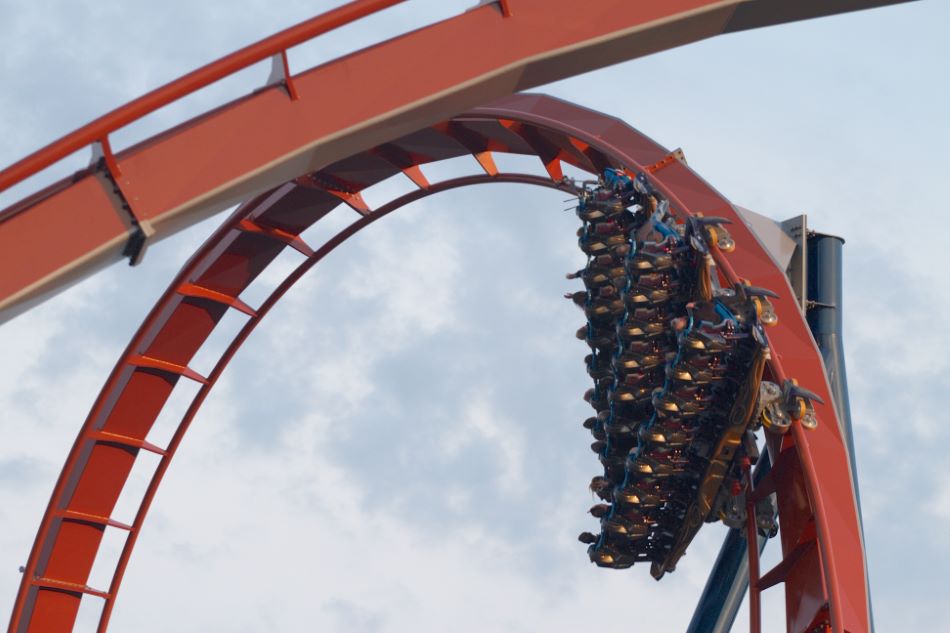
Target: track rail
{"points": [[220, 158], [823, 570]]}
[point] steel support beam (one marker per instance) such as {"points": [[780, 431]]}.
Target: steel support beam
{"points": [[218, 159]]}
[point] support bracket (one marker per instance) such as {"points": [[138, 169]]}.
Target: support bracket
{"points": [[141, 230]]}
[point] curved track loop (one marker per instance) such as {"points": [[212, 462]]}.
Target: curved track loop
{"points": [[824, 566], [312, 119]]}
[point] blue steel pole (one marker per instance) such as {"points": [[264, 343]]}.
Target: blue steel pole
{"points": [[825, 315], [825, 318]]}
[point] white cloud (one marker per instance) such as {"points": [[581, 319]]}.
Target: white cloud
{"points": [[481, 420]]}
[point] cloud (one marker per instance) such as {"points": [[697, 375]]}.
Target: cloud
{"points": [[481, 421]]}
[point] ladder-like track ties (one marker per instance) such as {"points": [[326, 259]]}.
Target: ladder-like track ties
{"points": [[63, 585], [95, 519], [487, 162], [294, 241], [348, 192], [147, 362], [200, 292], [125, 440], [477, 145], [404, 161], [549, 154]]}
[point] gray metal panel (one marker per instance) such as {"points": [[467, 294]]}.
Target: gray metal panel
{"points": [[797, 269], [786, 243]]}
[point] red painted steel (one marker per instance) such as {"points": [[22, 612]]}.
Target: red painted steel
{"points": [[825, 477], [314, 258], [752, 540], [100, 129], [811, 474], [151, 190]]}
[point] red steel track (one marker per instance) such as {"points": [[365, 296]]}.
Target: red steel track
{"points": [[221, 158], [823, 568], [309, 154]]}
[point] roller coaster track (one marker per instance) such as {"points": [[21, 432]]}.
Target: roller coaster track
{"points": [[152, 189], [292, 164]]}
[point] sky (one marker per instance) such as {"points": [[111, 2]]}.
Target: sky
{"points": [[399, 444]]}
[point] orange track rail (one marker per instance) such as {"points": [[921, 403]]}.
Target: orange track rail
{"points": [[148, 191], [823, 570]]}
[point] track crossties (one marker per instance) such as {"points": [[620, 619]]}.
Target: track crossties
{"points": [[823, 564]]}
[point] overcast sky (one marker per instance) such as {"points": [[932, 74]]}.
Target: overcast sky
{"points": [[398, 446]]}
